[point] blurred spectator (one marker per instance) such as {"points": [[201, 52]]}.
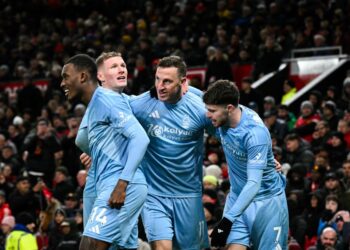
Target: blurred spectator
{"points": [[285, 115], [4, 207], [218, 68], [312, 215], [329, 111], [15, 133], [306, 122], [331, 207], [54, 231], [71, 204], [9, 157], [22, 237], [40, 151], [6, 184], [344, 102], [289, 91], [277, 127], [214, 170], [269, 103], [62, 184], [297, 224], [344, 128], [298, 150], [209, 212], [7, 225], [142, 77], [71, 152], [269, 57], [315, 97], [342, 220], [346, 174], [296, 179], [81, 180], [333, 186], [316, 177], [29, 96], [328, 240], [70, 239], [23, 199], [248, 94], [321, 135], [331, 94], [336, 148]]}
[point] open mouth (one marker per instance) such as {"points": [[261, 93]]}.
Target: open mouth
{"points": [[66, 92], [121, 78]]}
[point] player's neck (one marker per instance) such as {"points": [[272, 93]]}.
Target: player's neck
{"points": [[89, 91], [235, 117]]}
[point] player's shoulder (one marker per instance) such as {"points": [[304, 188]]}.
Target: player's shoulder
{"points": [[108, 98], [140, 99], [195, 91], [193, 99], [255, 129]]}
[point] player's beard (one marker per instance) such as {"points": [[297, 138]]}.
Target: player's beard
{"points": [[176, 96]]}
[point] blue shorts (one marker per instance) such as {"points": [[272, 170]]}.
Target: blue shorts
{"points": [[263, 225], [178, 219], [117, 226]]}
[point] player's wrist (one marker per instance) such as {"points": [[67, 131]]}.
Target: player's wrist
{"points": [[225, 224]]}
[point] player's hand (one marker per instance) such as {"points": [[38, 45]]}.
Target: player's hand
{"points": [[85, 159], [118, 195], [220, 233], [153, 92], [278, 166]]}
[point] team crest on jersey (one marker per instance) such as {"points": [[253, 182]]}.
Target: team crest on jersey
{"points": [[186, 121]]}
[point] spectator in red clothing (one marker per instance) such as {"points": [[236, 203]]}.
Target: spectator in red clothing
{"points": [[344, 128], [5, 209], [306, 122]]}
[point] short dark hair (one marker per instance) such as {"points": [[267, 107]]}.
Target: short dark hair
{"points": [[222, 92], [174, 61], [84, 62], [292, 136]]}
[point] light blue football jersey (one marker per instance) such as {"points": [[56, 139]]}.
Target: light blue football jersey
{"points": [[173, 161], [110, 126], [248, 146]]}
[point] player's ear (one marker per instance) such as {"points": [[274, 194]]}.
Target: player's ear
{"points": [[184, 81], [83, 77], [100, 76], [230, 107]]}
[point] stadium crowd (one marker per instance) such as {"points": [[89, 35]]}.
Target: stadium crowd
{"points": [[41, 177]]}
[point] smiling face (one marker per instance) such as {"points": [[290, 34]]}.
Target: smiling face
{"points": [[168, 84], [113, 73], [218, 114], [71, 81]]}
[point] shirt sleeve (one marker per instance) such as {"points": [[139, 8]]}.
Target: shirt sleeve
{"points": [[123, 119], [257, 160], [247, 195]]}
